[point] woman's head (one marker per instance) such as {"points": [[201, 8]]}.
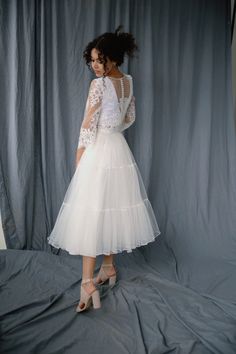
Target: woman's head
{"points": [[108, 51]]}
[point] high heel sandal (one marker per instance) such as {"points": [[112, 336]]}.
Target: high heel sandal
{"points": [[103, 275], [88, 298]]}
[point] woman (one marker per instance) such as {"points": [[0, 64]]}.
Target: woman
{"points": [[105, 209]]}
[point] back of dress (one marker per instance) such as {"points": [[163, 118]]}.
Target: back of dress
{"points": [[106, 209], [110, 107]]}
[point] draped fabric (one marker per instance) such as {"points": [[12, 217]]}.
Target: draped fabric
{"points": [[178, 293]]}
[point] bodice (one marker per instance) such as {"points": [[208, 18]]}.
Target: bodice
{"points": [[110, 107]]}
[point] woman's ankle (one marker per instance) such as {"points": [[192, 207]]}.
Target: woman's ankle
{"points": [[108, 259], [107, 264]]}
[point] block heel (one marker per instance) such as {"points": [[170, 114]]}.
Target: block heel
{"points": [[88, 299], [96, 300], [112, 280]]}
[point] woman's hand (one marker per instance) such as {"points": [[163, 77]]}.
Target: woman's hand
{"points": [[79, 153]]}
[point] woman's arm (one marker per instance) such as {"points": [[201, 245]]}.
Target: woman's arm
{"points": [[88, 128], [130, 114], [79, 153]]}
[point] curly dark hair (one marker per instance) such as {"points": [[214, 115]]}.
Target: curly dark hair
{"points": [[112, 45]]}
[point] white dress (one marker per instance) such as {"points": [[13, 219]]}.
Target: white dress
{"points": [[105, 209]]}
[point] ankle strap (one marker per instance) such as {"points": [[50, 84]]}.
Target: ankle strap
{"points": [[107, 264], [86, 280]]}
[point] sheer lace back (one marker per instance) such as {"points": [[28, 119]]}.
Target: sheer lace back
{"points": [[122, 86], [110, 106]]}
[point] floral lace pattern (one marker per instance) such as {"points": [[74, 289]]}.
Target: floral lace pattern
{"points": [[107, 110], [95, 92], [88, 135], [130, 114], [92, 112]]}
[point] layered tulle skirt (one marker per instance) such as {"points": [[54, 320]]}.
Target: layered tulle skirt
{"points": [[105, 209]]}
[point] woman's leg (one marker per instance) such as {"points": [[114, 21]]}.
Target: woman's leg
{"points": [[88, 270], [109, 270], [107, 259], [88, 266]]}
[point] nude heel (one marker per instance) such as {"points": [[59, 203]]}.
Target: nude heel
{"points": [[88, 299], [102, 274], [112, 280], [96, 300]]}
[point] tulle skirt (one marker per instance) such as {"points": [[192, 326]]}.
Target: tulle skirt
{"points": [[105, 208]]}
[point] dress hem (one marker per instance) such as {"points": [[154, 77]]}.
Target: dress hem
{"points": [[129, 250]]}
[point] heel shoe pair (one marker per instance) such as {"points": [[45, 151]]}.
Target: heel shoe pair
{"points": [[88, 299], [103, 276]]}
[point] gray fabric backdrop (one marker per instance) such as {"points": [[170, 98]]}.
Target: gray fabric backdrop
{"points": [[177, 294]]}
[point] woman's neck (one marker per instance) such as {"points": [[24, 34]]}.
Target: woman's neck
{"points": [[115, 73]]}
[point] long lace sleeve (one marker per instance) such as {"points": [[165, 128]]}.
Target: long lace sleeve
{"points": [[130, 115], [88, 128]]}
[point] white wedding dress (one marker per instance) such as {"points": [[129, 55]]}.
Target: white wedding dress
{"points": [[106, 209]]}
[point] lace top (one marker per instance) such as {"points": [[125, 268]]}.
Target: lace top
{"points": [[110, 106]]}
